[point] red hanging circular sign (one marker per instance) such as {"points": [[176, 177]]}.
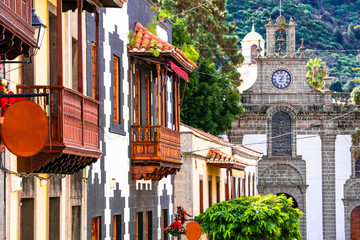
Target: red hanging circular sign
{"points": [[25, 128]]}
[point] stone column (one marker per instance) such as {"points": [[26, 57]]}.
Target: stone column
{"points": [[328, 94], [328, 186]]}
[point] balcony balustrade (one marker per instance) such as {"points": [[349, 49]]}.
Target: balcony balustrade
{"points": [[74, 131], [155, 152]]}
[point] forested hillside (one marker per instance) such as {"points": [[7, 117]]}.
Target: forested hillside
{"points": [[327, 27]]}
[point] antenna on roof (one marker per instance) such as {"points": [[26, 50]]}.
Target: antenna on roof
{"points": [[280, 7]]}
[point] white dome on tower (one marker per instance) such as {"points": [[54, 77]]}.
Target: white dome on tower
{"points": [[248, 69], [252, 36]]}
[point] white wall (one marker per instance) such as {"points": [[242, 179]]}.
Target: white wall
{"points": [[310, 149], [256, 142], [342, 173]]}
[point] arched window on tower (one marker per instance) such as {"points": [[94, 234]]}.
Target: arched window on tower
{"points": [[280, 42], [281, 134], [253, 53], [357, 168]]}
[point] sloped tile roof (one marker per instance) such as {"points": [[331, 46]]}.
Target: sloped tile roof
{"points": [[217, 156], [144, 41]]}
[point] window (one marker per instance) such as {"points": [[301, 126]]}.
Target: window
{"points": [[243, 186], [117, 234], [52, 49], [210, 190], [75, 223], [253, 184], [239, 187], [27, 219], [116, 89], [149, 225], [28, 69], [74, 48], [217, 189], [139, 226], [281, 134], [117, 97], [201, 196], [233, 188], [54, 218], [227, 186], [95, 228], [94, 87], [253, 53], [357, 168], [165, 224], [249, 186]]}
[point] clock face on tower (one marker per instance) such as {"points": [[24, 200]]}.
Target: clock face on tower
{"points": [[281, 79]]}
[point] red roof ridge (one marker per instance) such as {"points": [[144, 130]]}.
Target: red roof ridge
{"points": [[144, 41]]}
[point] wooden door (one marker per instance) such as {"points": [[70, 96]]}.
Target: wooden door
{"points": [[95, 228]]}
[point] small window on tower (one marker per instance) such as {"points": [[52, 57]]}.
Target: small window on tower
{"points": [[253, 53], [357, 168]]}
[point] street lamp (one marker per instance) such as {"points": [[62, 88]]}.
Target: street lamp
{"points": [[39, 29]]}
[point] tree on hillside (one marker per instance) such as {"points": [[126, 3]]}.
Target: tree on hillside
{"points": [[316, 72], [211, 100], [212, 34], [256, 217]]}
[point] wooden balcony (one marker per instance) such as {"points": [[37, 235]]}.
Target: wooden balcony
{"points": [[155, 152], [17, 34], [74, 131]]}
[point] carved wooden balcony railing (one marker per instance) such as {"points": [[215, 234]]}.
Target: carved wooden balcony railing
{"points": [[16, 32], [155, 152], [74, 131]]}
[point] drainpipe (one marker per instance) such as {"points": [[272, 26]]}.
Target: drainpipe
{"points": [[2, 160]]}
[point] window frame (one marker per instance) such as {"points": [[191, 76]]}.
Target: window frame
{"points": [[117, 124]]}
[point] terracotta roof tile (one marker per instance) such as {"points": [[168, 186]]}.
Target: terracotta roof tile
{"points": [[215, 155], [144, 40]]}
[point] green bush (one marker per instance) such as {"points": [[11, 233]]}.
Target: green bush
{"points": [[355, 96], [255, 217]]}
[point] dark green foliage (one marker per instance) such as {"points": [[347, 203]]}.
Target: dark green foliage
{"points": [[211, 101], [336, 86], [324, 25], [349, 86], [268, 217]]}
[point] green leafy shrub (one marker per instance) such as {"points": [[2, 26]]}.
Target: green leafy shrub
{"points": [[190, 52], [255, 217], [355, 96], [316, 71]]}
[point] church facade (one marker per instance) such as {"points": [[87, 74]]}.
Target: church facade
{"points": [[305, 135]]}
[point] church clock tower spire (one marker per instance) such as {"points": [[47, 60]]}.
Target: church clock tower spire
{"points": [[280, 38]]}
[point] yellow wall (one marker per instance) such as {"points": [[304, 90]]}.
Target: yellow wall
{"points": [[41, 196]]}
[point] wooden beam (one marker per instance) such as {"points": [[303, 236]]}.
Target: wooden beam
{"points": [[80, 44], [59, 49]]}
